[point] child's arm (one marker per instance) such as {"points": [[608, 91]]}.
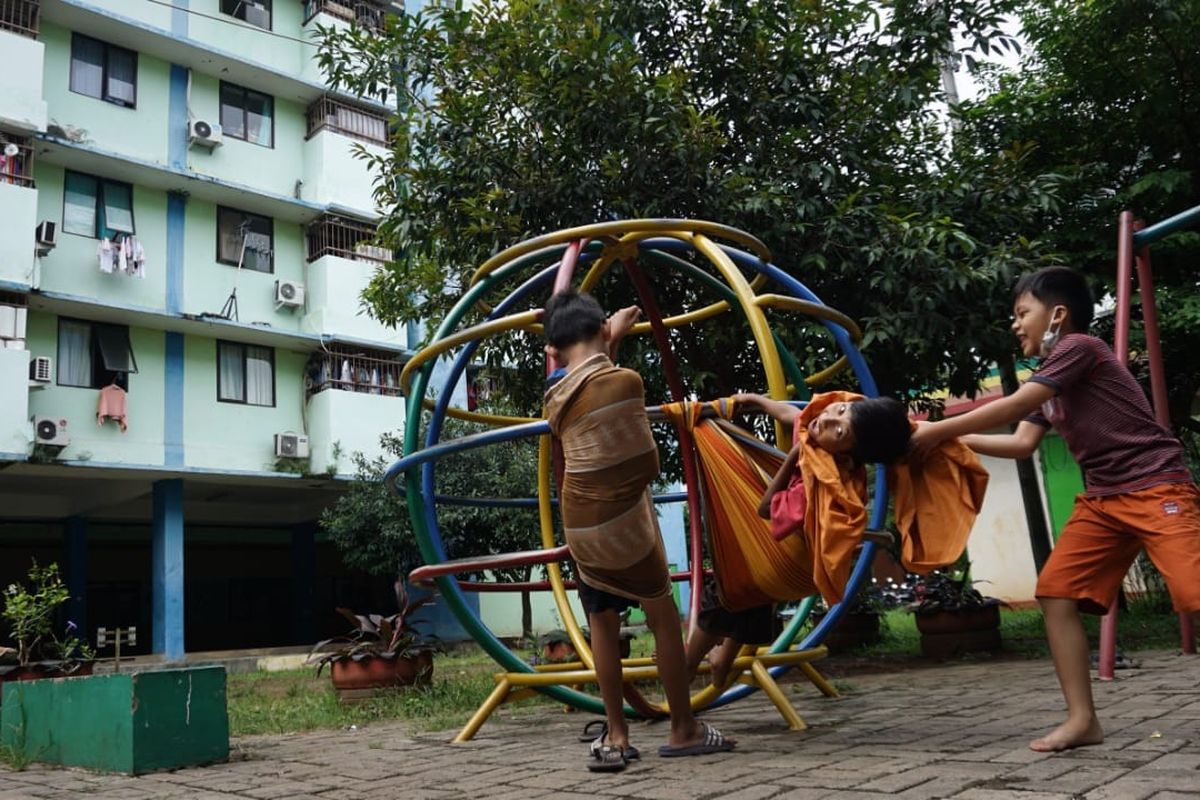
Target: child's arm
{"points": [[1005, 411], [1019, 444], [780, 411], [779, 482], [619, 325]]}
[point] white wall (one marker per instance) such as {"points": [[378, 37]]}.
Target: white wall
{"points": [[999, 549], [352, 420], [15, 432], [334, 288], [18, 219], [21, 103], [335, 175]]}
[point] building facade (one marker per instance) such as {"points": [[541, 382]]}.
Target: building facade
{"points": [[185, 364]]}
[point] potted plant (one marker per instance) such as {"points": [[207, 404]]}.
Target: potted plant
{"points": [[860, 625], [952, 616], [29, 609], [379, 651]]}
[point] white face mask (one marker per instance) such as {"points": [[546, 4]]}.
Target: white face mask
{"points": [[1052, 335]]}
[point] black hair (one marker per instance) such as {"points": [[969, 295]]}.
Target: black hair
{"points": [[572, 317], [1060, 286], [881, 430]]}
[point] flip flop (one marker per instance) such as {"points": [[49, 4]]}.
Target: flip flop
{"points": [[631, 752], [713, 742], [608, 758], [589, 732]]}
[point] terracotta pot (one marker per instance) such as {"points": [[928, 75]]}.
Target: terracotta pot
{"points": [[853, 630], [355, 680], [967, 619]]}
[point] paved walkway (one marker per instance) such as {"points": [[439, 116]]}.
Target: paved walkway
{"points": [[954, 731]]}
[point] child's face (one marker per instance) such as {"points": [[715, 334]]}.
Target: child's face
{"points": [[831, 429], [1031, 319]]}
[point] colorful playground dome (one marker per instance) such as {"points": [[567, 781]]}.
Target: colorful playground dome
{"points": [[724, 261]]}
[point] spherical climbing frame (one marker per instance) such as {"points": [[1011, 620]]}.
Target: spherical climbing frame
{"points": [[553, 259]]}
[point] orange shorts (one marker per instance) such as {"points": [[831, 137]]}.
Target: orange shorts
{"points": [[1103, 537]]}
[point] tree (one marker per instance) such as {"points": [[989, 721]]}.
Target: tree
{"points": [[809, 124], [370, 524], [1109, 97]]}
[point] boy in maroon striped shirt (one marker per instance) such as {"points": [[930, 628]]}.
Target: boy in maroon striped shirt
{"points": [[1138, 490]]}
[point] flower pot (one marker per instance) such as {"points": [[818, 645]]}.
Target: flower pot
{"points": [[357, 679], [945, 634], [853, 630]]}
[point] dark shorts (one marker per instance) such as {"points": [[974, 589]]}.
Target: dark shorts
{"points": [[596, 600], [758, 625]]}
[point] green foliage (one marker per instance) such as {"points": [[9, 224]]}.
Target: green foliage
{"points": [[372, 528], [810, 125], [1106, 97], [29, 609]]}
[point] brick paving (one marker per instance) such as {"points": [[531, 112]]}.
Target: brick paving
{"points": [[955, 731]]}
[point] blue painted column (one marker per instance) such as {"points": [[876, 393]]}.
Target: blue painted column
{"points": [[166, 566], [76, 569], [304, 576]]}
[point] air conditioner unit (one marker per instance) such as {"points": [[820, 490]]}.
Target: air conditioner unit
{"points": [[204, 134], [46, 236], [289, 293], [50, 432], [291, 445], [41, 369]]}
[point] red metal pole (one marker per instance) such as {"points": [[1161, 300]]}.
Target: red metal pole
{"points": [[1158, 390], [1125, 225]]}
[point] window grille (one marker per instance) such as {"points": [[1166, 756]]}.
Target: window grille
{"points": [[359, 123], [363, 14], [16, 160], [20, 17], [348, 238], [354, 369]]}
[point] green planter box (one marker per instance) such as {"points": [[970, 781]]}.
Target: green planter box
{"points": [[131, 722]]}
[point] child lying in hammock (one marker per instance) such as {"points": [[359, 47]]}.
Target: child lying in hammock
{"points": [[856, 432]]}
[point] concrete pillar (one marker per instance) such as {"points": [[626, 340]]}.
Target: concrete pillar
{"points": [[166, 567]]}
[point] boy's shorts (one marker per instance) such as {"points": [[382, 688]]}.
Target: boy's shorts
{"points": [[596, 600], [758, 625], [1103, 537]]}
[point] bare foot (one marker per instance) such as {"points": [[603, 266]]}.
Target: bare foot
{"points": [[1068, 735]]}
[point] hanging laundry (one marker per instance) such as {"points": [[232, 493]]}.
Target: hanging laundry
{"points": [[106, 253], [135, 257], [347, 377], [375, 380], [112, 406]]}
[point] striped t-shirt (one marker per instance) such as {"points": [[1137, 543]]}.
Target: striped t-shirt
{"points": [[1105, 419]]}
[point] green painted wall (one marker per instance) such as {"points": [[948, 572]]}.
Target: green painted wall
{"points": [[231, 436], [272, 169], [72, 267], [283, 54], [207, 283], [1063, 479], [148, 13], [142, 443], [140, 132]]}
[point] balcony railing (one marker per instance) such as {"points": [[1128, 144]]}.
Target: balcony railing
{"points": [[348, 238], [333, 115], [354, 369], [16, 162], [20, 17], [359, 12]]}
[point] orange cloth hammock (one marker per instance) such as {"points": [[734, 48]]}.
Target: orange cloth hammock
{"points": [[936, 503]]}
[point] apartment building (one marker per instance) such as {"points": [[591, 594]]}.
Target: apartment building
{"points": [[185, 364]]}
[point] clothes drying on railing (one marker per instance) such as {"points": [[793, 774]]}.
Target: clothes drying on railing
{"points": [[936, 502], [124, 255]]}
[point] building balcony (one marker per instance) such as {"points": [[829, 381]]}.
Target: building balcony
{"points": [[15, 433], [335, 173], [353, 398], [342, 262], [337, 14], [21, 104], [18, 215]]}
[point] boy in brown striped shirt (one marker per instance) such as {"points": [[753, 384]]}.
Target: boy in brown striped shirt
{"points": [[1139, 491]]}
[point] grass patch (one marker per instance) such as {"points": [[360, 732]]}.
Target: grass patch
{"points": [[298, 700], [1144, 625]]}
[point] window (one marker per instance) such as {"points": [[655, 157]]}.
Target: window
{"points": [[103, 71], [329, 114], [248, 115], [93, 354], [96, 207], [258, 233], [245, 374], [255, 12]]}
